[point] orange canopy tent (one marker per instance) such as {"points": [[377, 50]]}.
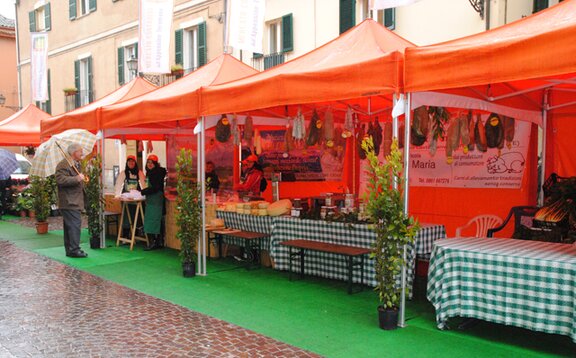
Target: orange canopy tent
{"points": [[365, 62], [23, 127], [86, 117], [178, 101], [525, 65]]}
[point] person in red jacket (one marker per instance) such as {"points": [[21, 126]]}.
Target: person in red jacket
{"points": [[250, 182]]}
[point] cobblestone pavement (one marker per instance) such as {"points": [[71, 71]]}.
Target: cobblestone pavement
{"points": [[48, 309]]}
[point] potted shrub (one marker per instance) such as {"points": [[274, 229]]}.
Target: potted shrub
{"points": [[177, 70], [189, 216], [70, 91], [40, 191], [24, 201], [394, 228], [94, 201]]}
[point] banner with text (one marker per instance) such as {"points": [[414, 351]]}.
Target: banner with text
{"points": [[316, 163], [493, 168], [155, 30], [246, 25], [38, 57]]}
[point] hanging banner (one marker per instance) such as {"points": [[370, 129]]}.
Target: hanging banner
{"points": [[154, 30], [496, 160], [386, 4], [38, 59], [246, 25], [315, 163]]}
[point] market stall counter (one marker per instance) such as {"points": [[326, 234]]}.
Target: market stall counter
{"points": [[528, 284]]}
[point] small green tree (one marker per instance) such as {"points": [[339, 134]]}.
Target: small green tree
{"points": [[40, 197], [393, 227], [189, 217], [94, 200]]}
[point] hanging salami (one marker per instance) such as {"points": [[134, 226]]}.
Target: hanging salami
{"points": [[387, 138], [464, 132], [471, 132], [223, 129], [313, 130], [452, 139], [248, 129], [376, 134], [419, 128], [329, 128], [509, 128], [494, 131], [359, 139], [480, 135]]}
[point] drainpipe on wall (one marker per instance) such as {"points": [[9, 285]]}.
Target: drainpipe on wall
{"points": [[18, 67], [487, 11]]}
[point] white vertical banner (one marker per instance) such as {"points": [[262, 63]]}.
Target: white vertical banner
{"points": [[246, 24], [154, 42], [387, 4], [38, 59]]}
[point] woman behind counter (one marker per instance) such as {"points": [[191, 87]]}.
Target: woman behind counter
{"points": [[154, 192], [132, 178]]}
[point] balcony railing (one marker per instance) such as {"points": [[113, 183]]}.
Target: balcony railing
{"points": [[268, 61], [167, 78]]}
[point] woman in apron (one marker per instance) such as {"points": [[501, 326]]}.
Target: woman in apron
{"points": [[132, 178], [154, 192]]}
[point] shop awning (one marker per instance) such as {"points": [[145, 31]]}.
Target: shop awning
{"points": [[23, 127], [86, 117], [364, 62], [177, 101]]}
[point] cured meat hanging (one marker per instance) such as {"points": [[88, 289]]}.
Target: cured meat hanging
{"points": [[348, 130], [471, 131], [464, 132], [314, 130], [235, 130], [375, 131], [439, 117], [419, 128], [509, 128], [387, 138], [329, 128], [360, 137], [452, 138], [494, 132], [288, 139], [248, 130], [299, 129], [480, 135], [223, 129]]}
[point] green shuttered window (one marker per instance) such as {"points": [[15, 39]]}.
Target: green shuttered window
{"points": [[287, 33], [347, 15]]}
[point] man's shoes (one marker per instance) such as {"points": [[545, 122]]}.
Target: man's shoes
{"points": [[78, 254]]}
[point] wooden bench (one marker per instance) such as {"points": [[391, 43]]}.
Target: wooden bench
{"points": [[252, 246], [349, 251]]}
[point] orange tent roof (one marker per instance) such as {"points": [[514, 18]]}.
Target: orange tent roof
{"points": [[23, 127], [177, 100], [511, 65], [363, 62], [86, 117]]}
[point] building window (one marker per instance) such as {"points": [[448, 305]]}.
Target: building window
{"points": [[80, 7], [347, 15], [46, 106], [83, 79], [387, 18], [40, 19], [539, 5], [125, 53], [191, 51]]}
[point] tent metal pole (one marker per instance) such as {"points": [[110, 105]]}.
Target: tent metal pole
{"points": [[103, 167], [543, 148], [401, 318], [203, 197]]}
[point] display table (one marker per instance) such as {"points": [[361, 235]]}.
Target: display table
{"points": [[321, 263], [528, 284], [125, 214]]}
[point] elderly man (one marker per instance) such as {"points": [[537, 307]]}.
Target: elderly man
{"points": [[71, 200]]}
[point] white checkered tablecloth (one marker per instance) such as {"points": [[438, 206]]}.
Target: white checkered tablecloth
{"points": [[262, 224], [528, 284], [334, 266]]}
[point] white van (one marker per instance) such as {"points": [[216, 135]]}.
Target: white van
{"points": [[21, 173]]}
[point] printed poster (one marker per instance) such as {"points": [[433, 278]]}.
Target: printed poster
{"points": [[39, 53]]}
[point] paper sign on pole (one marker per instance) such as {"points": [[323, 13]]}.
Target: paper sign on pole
{"points": [[38, 58], [246, 25], [387, 4], [154, 42]]}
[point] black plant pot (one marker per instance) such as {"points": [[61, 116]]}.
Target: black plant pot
{"points": [[95, 242], [388, 318], [188, 269]]}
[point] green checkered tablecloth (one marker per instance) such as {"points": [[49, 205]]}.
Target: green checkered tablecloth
{"points": [[528, 284], [334, 266]]}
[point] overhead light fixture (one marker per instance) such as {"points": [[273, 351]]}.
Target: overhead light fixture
{"points": [[132, 64]]}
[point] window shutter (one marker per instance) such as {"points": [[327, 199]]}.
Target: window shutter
{"points": [[49, 100], [202, 44], [77, 82], [540, 5], [32, 17], [178, 46], [257, 55], [71, 9], [90, 80], [347, 14], [120, 66], [92, 5], [390, 18], [47, 17], [287, 33]]}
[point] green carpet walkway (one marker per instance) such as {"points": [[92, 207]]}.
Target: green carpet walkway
{"points": [[314, 314]]}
